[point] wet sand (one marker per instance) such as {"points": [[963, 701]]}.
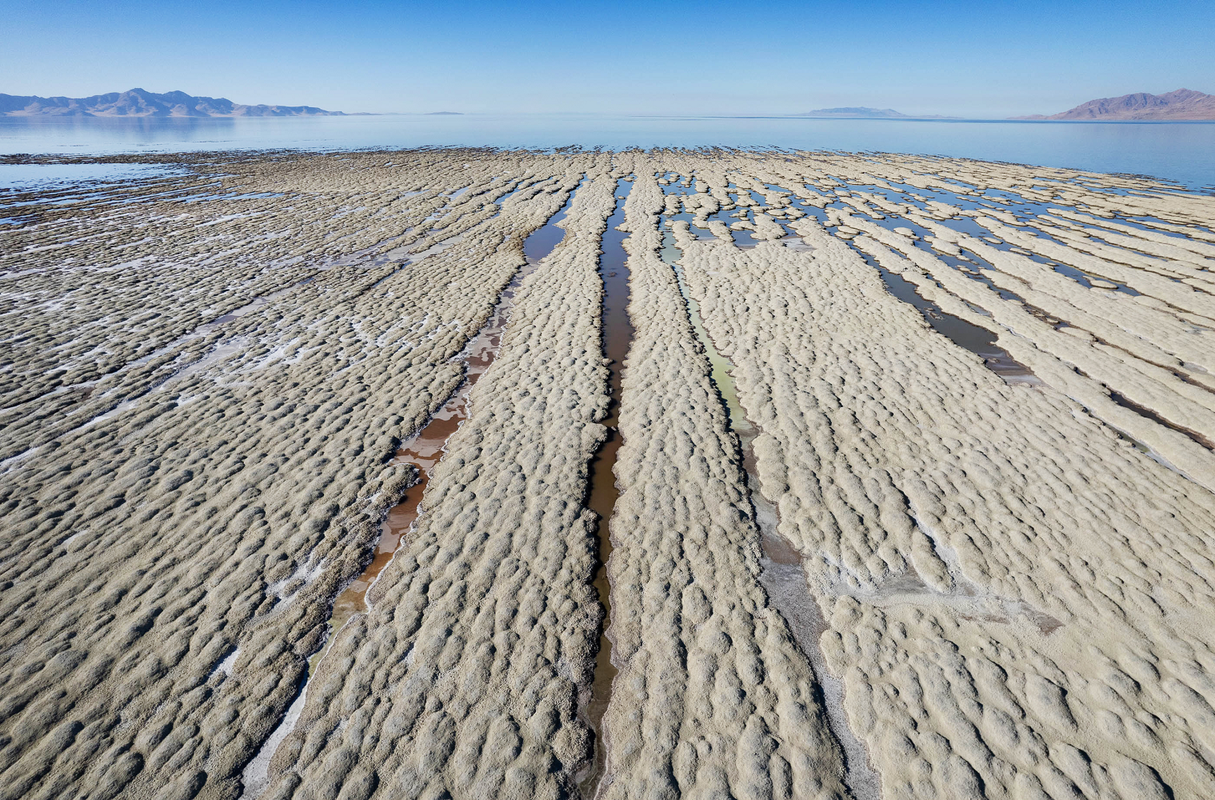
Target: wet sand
{"points": [[307, 463]]}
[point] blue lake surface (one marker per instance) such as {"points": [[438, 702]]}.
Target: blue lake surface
{"points": [[1183, 152], [23, 176]]}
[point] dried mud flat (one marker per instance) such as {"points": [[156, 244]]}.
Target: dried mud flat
{"points": [[914, 494]]}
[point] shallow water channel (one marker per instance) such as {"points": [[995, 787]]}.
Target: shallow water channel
{"points": [[426, 447], [423, 449], [974, 338], [603, 492], [782, 575]]}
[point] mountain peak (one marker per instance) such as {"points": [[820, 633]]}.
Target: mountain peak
{"points": [[1180, 105], [865, 112]]}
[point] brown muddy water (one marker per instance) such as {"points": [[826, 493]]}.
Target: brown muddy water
{"points": [[426, 447], [423, 450], [782, 574], [603, 492]]}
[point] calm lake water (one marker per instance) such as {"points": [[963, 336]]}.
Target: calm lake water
{"points": [[1181, 152]]}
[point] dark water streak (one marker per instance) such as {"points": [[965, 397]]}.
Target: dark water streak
{"points": [[603, 492], [782, 573], [424, 449]]}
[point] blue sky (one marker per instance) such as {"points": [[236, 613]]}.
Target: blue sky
{"points": [[974, 59]]}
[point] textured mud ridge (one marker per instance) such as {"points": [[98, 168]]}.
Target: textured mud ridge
{"points": [[691, 627], [525, 554], [845, 530], [931, 629], [422, 452], [782, 575]]}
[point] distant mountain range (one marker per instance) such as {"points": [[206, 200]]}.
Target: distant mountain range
{"points": [[1181, 105], [140, 103]]}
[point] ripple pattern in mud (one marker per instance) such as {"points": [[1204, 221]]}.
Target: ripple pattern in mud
{"points": [[205, 375]]}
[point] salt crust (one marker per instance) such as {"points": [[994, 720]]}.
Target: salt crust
{"points": [[1016, 599]]}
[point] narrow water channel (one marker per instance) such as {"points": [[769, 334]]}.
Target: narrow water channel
{"points": [[424, 450], [542, 242], [426, 447], [603, 492], [782, 576], [976, 339]]}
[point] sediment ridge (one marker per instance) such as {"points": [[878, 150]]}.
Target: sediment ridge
{"points": [[983, 413]]}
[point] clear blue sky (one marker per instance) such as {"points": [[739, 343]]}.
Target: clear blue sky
{"points": [[977, 59]]}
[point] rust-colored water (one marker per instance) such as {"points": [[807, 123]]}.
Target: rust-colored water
{"points": [[423, 450]]}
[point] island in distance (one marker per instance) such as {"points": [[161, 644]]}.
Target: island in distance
{"points": [[1181, 106], [141, 103], [864, 112]]}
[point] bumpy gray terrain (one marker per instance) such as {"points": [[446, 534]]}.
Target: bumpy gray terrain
{"points": [[983, 400], [713, 696]]}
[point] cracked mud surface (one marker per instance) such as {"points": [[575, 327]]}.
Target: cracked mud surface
{"points": [[984, 408]]}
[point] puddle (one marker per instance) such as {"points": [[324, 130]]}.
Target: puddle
{"points": [[702, 234], [783, 576], [743, 238], [686, 186], [541, 243], [969, 226], [423, 450], [900, 225], [37, 177], [1154, 225], [199, 198], [720, 367], [603, 492], [1092, 281], [977, 340], [1144, 411], [974, 338]]}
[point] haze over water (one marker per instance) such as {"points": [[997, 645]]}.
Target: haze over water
{"points": [[1180, 152]]}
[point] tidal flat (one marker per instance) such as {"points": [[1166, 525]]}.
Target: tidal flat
{"points": [[652, 473]]}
